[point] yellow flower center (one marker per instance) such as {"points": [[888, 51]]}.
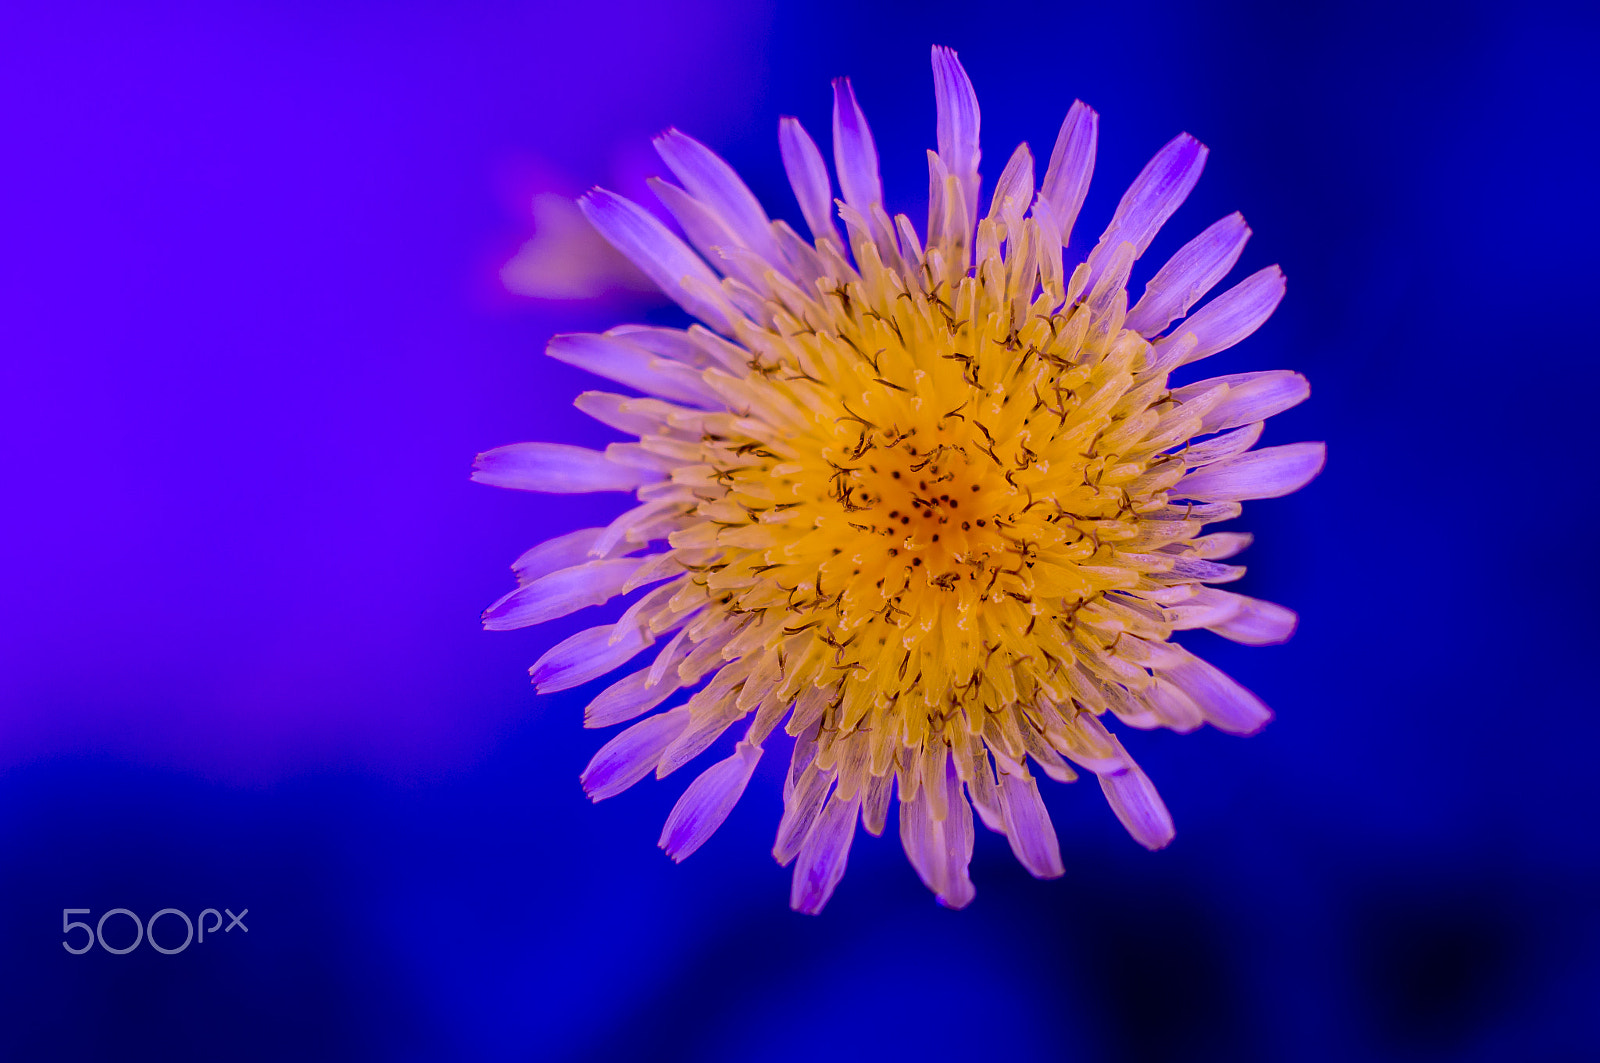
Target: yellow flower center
{"points": [[914, 496]]}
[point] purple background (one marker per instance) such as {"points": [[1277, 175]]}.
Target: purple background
{"points": [[252, 335]]}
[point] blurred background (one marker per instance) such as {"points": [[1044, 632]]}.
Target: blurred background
{"points": [[275, 271]]}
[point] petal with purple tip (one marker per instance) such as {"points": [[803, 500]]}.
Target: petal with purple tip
{"points": [[1256, 623], [823, 856], [940, 850], [1160, 189], [854, 154], [708, 800], [1133, 797], [559, 593], [631, 755], [626, 699], [800, 808], [589, 654], [1028, 828], [1225, 703]]}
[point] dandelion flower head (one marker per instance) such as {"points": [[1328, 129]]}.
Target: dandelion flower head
{"points": [[924, 501]]}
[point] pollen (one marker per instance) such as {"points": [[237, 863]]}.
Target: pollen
{"points": [[926, 502]]}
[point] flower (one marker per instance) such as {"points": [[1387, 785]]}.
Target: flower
{"points": [[929, 503]]}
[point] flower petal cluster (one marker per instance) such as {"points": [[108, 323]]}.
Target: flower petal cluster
{"points": [[924, 500]]}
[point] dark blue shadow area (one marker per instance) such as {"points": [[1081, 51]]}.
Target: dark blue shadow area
{"points": [[252, 333], [496, 917]]}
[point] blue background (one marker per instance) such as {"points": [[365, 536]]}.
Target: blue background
{"points": [[253, 334]]}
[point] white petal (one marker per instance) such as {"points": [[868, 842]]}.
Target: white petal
{"points": [[708, 800], [631, 755], [823, 856], [673, 343], [983, 790], [800, 807], [662, 257], [875, 805], [1170, 705], [561, 552], [1188, 275], [1048, 759], [1205, 607], [1225, 703], [714, 350], [1066, 181], [1231, 316], [1133, 798], [1014, 190], [940, 850], [559, 593], [709, 234], [808, 175], [1250, 397], [805, 263], [941, 194], [1107, 297], [854, 154], [668, 660], [636, 526], [1051, 278], [635, 455], [1194, 568], [587, 655], [644, 613], [910, 242], [625, 699], [956, 104], [1091, 746], [556, 468], [715, 184], [1213, 547], [923, 841], [616, 358], [1028, 827], [606, 407], [1225, 446], [957, 890], [1267, 473], [1256, 623], [705, 727]]}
